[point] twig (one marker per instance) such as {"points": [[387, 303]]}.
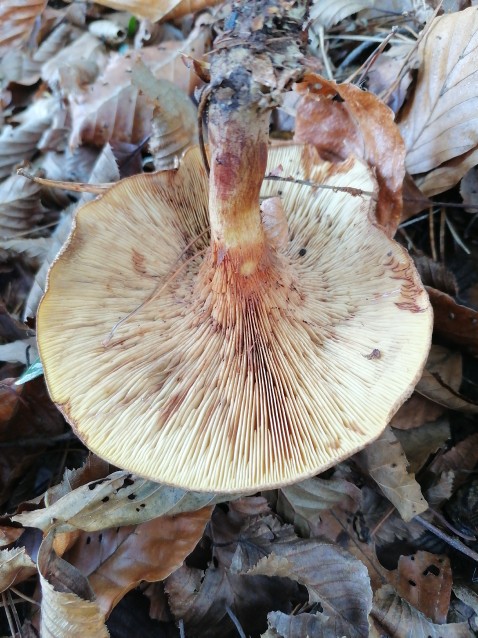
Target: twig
{"points": [[234, 619], [457, 237], [453, 542], [8, 614], [431, 230], [77, 187], [365, 67], [23, 596], [325, 57], [182, 633]]}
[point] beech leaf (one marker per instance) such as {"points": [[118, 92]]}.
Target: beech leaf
{"points": [[68, 607], [387, 464], [359, 124], [17, 19], [400, 619], [303, 502], [441, 380], [333, 577], [424, 580], [118, 559], [437, 121], [329, 13], [120, 499]]}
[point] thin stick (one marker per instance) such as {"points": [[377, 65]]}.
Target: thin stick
{"points": [[235, 620], [77, 187], [442, 234], [201, 107], [355, 192], [431, 229], [453, 542], [158, 290], [182, 633], [365, 67], [327, 65], [20, 594], [15, 613], [8, 614], [457, 237]]}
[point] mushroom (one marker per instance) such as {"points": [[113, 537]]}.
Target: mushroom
{"points": [[210, 359]]}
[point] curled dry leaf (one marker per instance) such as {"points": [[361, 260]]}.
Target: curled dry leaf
{"points": [[68, 607], [387, 464], [119, 499], [17, 21], [342, 120], [400, 619], [441, 380], [334, 578], [15, 567], [117, 560], [435, 122], [424, 580]]}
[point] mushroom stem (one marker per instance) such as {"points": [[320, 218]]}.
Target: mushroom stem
{"points": [[258, 56], [238, 141]]}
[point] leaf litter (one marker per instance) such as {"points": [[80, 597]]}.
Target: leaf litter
{"points": [[383, 544]]}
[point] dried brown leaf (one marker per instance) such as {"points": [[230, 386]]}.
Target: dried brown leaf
{"points": [[174, 120], [333, 577], [17, 21], [401, 620], [457, 324], [117, 560], [68, 607], [20, 143], [357, 124], [435, 122], [420, 443], [436, 274], [239, 539], [24, 66], [75, 65], [415, 412], [20, 206], [424, 580], [15, 567], [441, 380], [461, 458], [303, 502], [469, 190], [386, 463]]}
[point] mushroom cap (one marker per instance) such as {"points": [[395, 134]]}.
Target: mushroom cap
{"points": [[181, 370]]}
